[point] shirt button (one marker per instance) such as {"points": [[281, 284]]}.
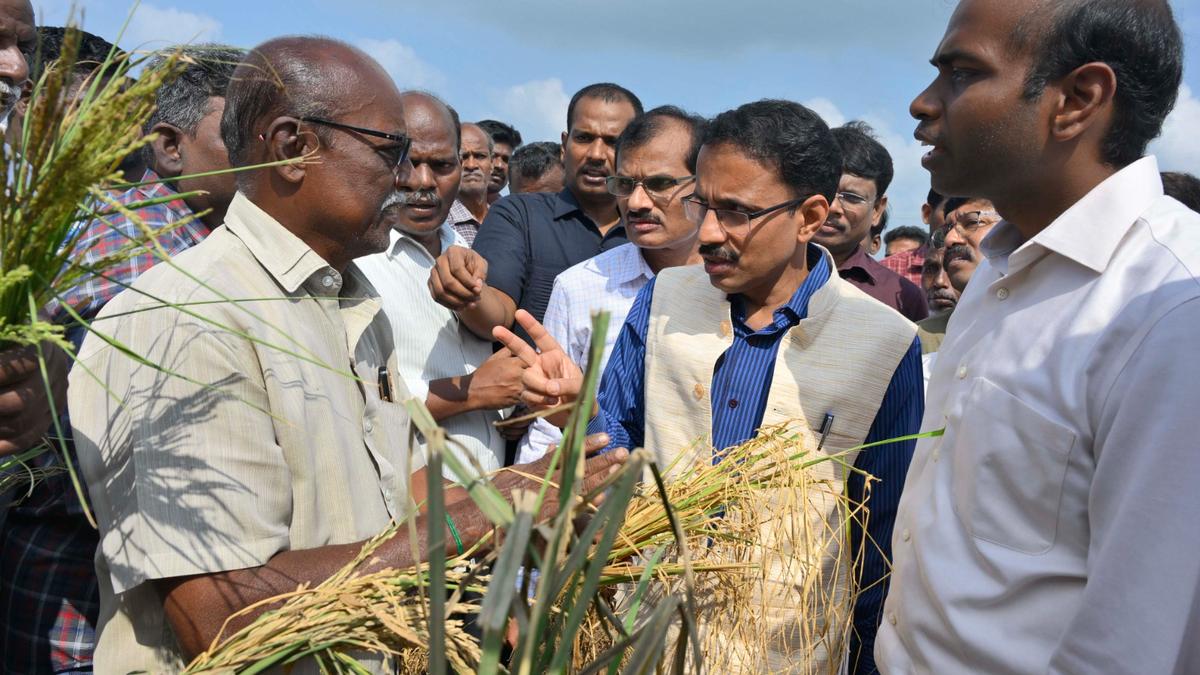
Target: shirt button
{"points": [[962, 372], [937, 453], [1002, 293], [906, 535], [327, 282], [733, 403], [892, 618], [368, 427]]}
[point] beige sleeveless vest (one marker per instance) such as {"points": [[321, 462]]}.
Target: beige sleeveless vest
{"points": [[838, 360]]}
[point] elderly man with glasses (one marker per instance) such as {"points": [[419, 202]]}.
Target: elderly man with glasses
{"points": [[269, 438], [656, 166], [764, 333]]}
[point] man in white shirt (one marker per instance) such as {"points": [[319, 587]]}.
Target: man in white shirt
{"points": [[463, 383], [655, 168], [1052, 527]]}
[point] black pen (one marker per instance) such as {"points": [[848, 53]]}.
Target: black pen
{"points": [[385, 384], [826, 425]]}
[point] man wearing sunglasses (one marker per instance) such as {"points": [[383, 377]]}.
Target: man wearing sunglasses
{"points": [[273, 441], [656, 166], [861, 204], [764, 333]]}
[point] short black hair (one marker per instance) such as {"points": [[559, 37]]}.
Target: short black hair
{"points": [[653, 122], [1139, 40], [501, 133], [93, 51], [182, 101], [607, 92], [279, 75], [864, 156], [906, 232], [787, 136], [934, 199], [532, 161], [1184, 187], [955, 203]]}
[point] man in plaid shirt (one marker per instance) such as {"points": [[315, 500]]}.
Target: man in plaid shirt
{"points": [[48, 589]]}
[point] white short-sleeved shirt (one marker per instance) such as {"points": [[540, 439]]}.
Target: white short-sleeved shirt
{"points": [[608, 282], [431, 342], [1052, 528]]}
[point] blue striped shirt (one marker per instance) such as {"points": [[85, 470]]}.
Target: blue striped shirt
{"points": [[742, 380]]}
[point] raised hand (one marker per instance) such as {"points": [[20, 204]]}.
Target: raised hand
{"points": [[551, 378], [458, 278], [497, 382]]}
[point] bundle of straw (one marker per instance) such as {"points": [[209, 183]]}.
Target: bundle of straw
{"points": [[379, 614]]}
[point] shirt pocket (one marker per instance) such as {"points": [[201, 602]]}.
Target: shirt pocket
{"points": [[1010, 463]]}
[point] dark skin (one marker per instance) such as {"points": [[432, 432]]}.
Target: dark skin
{"points": [[333, 206], [849, 224], [501, 154], [459, 280], [1043, 154], [589, 155], [437, 169], [180, 153], [477, 170]]}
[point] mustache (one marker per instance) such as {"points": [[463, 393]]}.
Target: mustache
{"points": [[717, 251], [10, 93], [957, 251], [397, 198], [944, 294], [643, 216], [428, 198]]}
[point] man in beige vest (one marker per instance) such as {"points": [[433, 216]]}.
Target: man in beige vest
{"points": [[762, 334]]}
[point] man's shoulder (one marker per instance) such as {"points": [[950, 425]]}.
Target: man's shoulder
{"points": [[207, 268], [521, 208], [1175, 230]]}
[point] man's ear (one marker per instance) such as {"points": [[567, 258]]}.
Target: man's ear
{"points": [[168, 157], [286, 141], [813, 213], [1085, 100], [879, 209]]}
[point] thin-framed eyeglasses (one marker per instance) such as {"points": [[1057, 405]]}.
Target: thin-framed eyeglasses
{"points": [[852, 199], [734, 222], [656, 186], [965, 222], [396, 155]]}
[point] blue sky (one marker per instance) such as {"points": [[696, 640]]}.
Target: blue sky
{"points": [[520, 60]]}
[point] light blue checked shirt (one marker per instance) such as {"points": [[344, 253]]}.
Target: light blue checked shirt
{"points": [[608, 282]]}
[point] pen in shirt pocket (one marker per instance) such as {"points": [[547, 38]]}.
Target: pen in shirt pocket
{"points": [[826, 425], [385, 385]]}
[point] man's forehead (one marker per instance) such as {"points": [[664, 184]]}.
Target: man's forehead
{"points": [[981, 27], [724, 172]]}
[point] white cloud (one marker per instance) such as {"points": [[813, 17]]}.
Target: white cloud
{"points": [[1178, 149], [828, 111], [402, 63], [153, 27], [538, 109]]}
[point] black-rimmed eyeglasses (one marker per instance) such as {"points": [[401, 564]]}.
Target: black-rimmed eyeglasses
{"points": [[735, 222], [623, 186], [396, 154]]}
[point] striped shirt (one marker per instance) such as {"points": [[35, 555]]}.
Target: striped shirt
{"points": [[431, 343], [607, 283], [744, 374]]}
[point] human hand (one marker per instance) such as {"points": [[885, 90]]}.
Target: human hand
{"points": [[514, 427], [25, 414], [458, 278], [496, 383], [597, 469], [551, 378]]}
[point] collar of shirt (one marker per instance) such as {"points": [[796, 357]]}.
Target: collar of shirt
{"points": [[624, 265], [819, 269], [156, 188], [284, 255], [860, 264], [400, 240], [1118, 202], [460, 214], [566, 205]]}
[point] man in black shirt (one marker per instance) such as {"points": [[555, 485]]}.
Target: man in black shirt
{"points": [[528, 239]]}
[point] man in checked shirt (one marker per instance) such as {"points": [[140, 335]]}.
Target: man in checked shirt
{"points": [[48, 592]]}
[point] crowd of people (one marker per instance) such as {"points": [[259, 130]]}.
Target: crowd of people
{"points": [[1040, 315]]}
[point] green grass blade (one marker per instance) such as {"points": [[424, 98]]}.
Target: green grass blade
{"points": [[502, 589], [435, 444]]}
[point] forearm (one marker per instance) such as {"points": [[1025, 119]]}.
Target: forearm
{"points": [[198, 607], [449, 396], [494, 308]]}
